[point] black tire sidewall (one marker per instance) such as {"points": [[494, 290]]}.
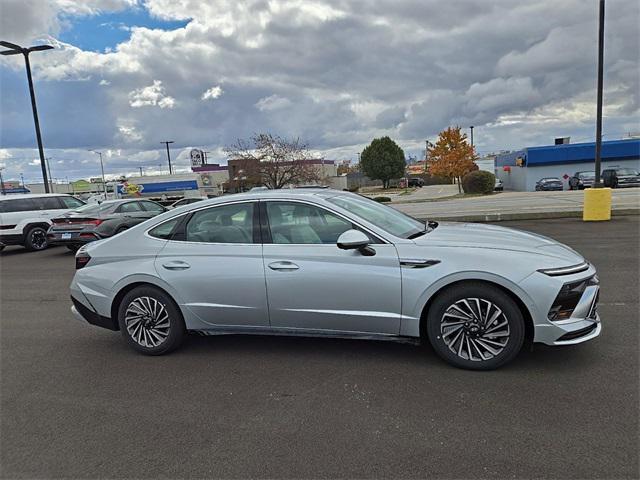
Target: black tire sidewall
{"points": [[476, 290], [177, 328], [28, 244]]}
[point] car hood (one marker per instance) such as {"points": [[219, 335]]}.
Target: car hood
{"points": [[481, 236]]}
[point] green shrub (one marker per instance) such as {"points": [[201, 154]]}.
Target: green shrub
{"points": [[382, 199], [479, 181]]}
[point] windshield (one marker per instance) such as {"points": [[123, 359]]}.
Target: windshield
{"points": [[626, 171], [382, 216], [586, 174]]}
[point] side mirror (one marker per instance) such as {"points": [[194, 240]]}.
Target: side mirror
{"points": [[355, 240]]}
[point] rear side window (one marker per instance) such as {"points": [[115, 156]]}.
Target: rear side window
{"points": [[152, 207], [224, 224], [18, 205], [49, 203], [165, 230]]}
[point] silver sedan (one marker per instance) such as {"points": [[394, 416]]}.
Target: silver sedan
{"points": [[334, 264]]}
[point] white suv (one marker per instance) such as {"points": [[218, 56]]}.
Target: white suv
{"points": [[25, 219]]}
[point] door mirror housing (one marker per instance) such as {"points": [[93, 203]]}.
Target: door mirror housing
{"points": [[355, 240]]}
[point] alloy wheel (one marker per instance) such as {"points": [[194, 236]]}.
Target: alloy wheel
{"points": [[147, 321], [475, 329], [38, 239]]}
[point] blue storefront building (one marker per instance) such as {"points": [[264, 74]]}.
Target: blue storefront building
{"points": [[522, 169]]}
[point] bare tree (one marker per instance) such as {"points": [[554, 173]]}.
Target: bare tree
{"points": [[277, 161]]}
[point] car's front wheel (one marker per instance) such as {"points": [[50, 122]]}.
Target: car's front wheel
{"points": [[150, 321], [475, 326]]}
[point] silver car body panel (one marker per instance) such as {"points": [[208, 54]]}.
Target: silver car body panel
{"points": [[321, 290]]}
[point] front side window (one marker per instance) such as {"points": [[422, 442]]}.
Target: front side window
{"points": [[130, 207], [153, 207], [386, 218], [301, 223], [71, 202], [224, 224]]}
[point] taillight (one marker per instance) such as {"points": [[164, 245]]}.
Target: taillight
{"points": [[82, 258], [94, 222]]}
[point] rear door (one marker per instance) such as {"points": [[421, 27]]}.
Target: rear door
{"points": [[215, 263]]}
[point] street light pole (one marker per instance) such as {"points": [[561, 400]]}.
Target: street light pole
{"points": [[168, 154], [49, 171], [2, 182], [597, 183], [471, 128], [15, 50]]}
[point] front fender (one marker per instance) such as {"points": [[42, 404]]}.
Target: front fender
{"points": [[412, 309]]}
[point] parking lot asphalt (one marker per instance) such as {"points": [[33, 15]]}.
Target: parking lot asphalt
{"points": [[77, 403]]}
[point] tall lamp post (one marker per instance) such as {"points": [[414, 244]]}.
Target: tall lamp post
{"points": [[104, 182], [168, 155], [15, 50], [2, 182], [471, 128]]}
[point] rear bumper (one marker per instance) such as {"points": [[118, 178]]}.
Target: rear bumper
{"points": [[71, 238], [83, 312]]}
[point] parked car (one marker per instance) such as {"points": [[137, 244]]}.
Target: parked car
{"points": [[25, 218], [335, 264], [549, 184], [93, 222], [416, 182], [499, 186], [186, 201], [620, 177], [582, 180]]}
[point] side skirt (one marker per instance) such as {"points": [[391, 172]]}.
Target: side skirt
{"points": [[301, 332]]}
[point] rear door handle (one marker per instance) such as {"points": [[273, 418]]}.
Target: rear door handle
{"points": [[176, 265], [283, 266]]}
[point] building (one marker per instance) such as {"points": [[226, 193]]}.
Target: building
{"points": [[521, 170]]}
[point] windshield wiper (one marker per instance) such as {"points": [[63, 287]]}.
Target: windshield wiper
{"points": [[429, 226]]}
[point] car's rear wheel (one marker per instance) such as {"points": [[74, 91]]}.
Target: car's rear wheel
{"points": [[150, 321], [73, 248], [475, 326], [36, 239]]}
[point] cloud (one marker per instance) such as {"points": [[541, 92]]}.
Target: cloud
{"points": [[272, 102], [336, 73], [212, 93], [153, 95]]}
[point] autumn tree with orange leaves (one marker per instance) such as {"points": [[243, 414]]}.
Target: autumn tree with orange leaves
{"points": [[451, 156]]}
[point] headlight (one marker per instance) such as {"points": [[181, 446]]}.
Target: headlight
{"points": [[556, 272]]}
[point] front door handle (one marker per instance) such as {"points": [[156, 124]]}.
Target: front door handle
{"points": [[176, 265], [283, 266]]}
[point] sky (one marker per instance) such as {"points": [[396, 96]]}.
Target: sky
{"points": [[126, 75]]}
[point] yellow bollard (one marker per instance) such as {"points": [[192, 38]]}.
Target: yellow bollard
{"points": [[597, 205]]}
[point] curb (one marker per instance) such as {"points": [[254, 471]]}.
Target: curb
{"points": [[505, 217]]}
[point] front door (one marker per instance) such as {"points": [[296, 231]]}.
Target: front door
{"points": [[314, 285], [215, 263]]}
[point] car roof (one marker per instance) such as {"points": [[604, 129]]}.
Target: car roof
{"points": [[32, 195], [287, 193]]}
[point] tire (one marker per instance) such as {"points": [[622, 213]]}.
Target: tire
{"points": [[453, 341], [36, 239], [73, 248], [151, 340]]}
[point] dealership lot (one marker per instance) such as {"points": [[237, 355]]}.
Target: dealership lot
{"points": [[76, 402]]}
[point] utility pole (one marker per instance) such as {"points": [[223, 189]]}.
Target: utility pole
{"points": [[141, 174], [471, 128], [50, 177], [15, 50], [104, 182], [22, 180], [168, 154], [597, 183]]}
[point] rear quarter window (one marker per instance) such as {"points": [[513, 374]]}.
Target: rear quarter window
{"points": [[18, 205]]}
